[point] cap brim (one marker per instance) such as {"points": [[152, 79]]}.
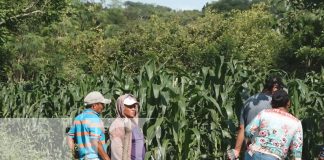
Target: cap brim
{"points": [[106, 101], [130, 102]]}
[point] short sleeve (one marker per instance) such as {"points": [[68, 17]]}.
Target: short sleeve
{"points": [[254, 125], [242, 117], [71, 132], [243, 112]]}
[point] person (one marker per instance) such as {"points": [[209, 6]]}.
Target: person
{"points": [[127, 139], [321, 154], [274, 131], [252, 107], [87, 131]]}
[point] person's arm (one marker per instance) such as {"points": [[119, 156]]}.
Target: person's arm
{"points": [[102, 152], [296, 144], [71, 142], [239, 141], [234, 153], [116, 137]]}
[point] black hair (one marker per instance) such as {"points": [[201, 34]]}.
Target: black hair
{"points": [[89, 105], [272, 81], [280, 98]]}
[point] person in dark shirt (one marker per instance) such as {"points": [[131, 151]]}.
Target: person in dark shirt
{"points": [[254, 105]]}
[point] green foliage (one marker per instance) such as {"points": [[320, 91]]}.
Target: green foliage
{"points": [[191, 115], [138, 10], [252, 38], [307, 101], [18, 21], [5, 63], [200, 41], [301, 23], [53, 52], [89, 38], [228, 5]]}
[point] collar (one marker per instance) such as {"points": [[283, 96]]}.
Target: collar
{"points": [[91, 111], [281, 109]]}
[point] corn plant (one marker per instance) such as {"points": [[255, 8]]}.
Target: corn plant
{"points": [[192, 115]]}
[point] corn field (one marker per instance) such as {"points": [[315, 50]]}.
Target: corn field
{"points": [[192, 115]]}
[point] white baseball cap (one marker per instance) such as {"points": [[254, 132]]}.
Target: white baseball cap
{"points": [[129, 100], [95, 97]]}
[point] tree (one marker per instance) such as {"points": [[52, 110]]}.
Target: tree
{"points": [[137, 10], [228, 5], [253, 38], [17, 17], [302, 24]]}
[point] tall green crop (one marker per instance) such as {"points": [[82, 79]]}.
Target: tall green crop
{"points": [[191, 115]]}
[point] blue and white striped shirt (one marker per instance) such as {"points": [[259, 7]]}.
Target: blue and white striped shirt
{"points": [[87, 127]]}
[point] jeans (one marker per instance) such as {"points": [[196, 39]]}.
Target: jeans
{"points": [[247, 156], [259, 156]]}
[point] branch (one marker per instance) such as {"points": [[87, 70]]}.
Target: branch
{"points": [[21, 16], [30, 6]]}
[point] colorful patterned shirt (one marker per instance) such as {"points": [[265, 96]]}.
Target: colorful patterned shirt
{"points": [[274, 132], [87, 127]]}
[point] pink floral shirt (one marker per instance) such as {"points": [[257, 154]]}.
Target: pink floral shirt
{"points": [[275, 132]]}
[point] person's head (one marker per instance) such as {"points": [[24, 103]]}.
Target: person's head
{"points": [[131, 106], [273, 83], [96, 101], [321, 154], [280, 98], [127, 106]]}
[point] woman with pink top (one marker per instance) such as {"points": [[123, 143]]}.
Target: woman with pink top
{"points": [[275, 131]]}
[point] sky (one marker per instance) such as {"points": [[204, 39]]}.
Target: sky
{"points": [[174, 4], [178, 4]]}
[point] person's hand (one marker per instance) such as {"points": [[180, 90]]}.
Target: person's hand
{"points": [[75, 154], [233, 154]]}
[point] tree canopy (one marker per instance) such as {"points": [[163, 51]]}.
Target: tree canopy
{"points": [[68, 38]]}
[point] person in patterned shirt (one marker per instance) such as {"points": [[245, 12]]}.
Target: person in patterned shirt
{"points": [[275, 131]]}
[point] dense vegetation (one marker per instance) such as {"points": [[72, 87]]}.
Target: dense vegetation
{"points": [[203, 64], [192, 115], [67, 38]]}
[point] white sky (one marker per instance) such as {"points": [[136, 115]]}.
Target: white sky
{"points": [[174, 4], [177, 4]]}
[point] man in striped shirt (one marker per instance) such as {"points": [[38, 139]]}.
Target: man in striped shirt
{"points": [[87, 132]]}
